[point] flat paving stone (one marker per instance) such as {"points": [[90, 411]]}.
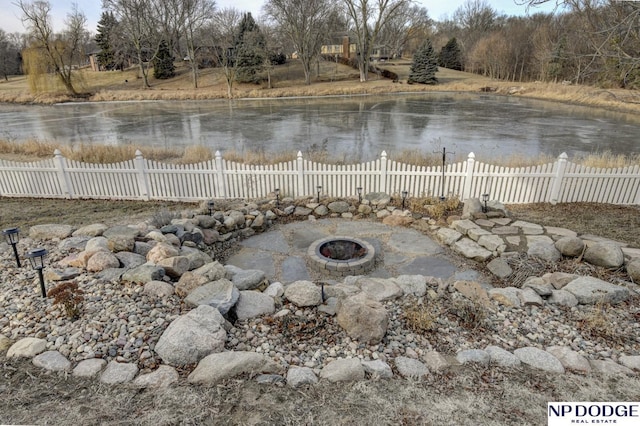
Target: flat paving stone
{"points": [[294, 268], [301, 239], [429, 266], [254, 259], [269, 241], [415, 243]]}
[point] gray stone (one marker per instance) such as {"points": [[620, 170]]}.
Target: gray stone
{"points": [[130, 260], [473, 291], [561, 232], [269, 379], [435, 361], [476, 233], [211, 271], [192, 336], [252, 259], [237, 217], [50, 231], [507, 296], [253, 304], [162, 251], [303, 293], [471, 206], [410, 368], [302, 211], [275, 290], [591, 290], [473, 356], [411, 242], [463, 226], [343, 370], [117, 373], [268, 241], [471, 250], [143, 274], [5, 343], [414, 285], [380, 289], [493, 243], [174, 266], [244, 279], [633, 269], [500, 268], [559, 279], [73, 243], [570, 246], [562, 298], [188, 282], [321, 210], [93, 230], [570, 359], [294, 268], [339, 207], [158, 289], [220, 294], [377, 369], [52, 361], [605, 254], [102, 260], [298, 376], [378, 198], [502, 357], [528, 228], [226, 365], [539, 359], [363, 319], [630, 361], [89, 367], [448, 236], [609, 368], [197, 258], [52, 274], [505, 230], [435, 266], [539, 285], [544, 251], [529, 297], [163, 377], [27, 347]]}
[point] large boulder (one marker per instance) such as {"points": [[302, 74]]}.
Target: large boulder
{"points": [[162, 251], [606, 254], [343, 370], [143, 274], [363, 319], [101, 261], [570, 246], [220, 294], [245, 279], [225, 365], [380, 289], [175, 266], [50, 231], [120, 238], [303, 293], [591, 290], [253, 304], [189, 281], [633, 269], [191, 337]]}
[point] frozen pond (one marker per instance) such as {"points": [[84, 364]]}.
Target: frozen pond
{"points": [[357, 128]]}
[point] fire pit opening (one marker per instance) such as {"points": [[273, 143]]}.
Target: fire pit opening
{"points": [[342, 256]]}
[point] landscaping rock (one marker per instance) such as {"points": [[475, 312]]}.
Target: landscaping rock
{"points": [[605, 254], [633, 269], [102, 260], [529, 297], [27, 347], [163, 377], [539, 359], [500, 268], [474, 292], [415, 285], [343, 370], [162, 251], [192, 336], [211, 271], [377, 369], [158, 289], [471, 250], [339, 207], [303, 293], [93, 230], [253, 304], [502, 357], [410, 368], [221, 294], [143, 274], [244, 279], [380, 289], [298, 376], [609, 368], [493, 243], [363, 319], [188, 282], [89, 367], [130, 260], [632, 362], [562, 298], [117, 373], [507, 296], [570, 359], [52, 361], [545, 251], [473, 356], [448, 236], [226, 365], [435, 361], [591, 290], [174, 266], [570, 246], [50, 231]]}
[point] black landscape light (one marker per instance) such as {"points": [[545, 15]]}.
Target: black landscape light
{"points": [[210, 205], [485, 198], [359, 190], [319, 188], [36, 257], [277, 192], [404, 198], [13, 236]]}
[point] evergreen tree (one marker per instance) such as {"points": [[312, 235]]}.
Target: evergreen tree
{"points": [[104, 40], [250, 50], [163, 66], [424, 65], [451, 56]]}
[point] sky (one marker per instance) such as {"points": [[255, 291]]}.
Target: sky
{"points": [[438, 9]]}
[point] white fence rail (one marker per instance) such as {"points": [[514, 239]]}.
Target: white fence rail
{"points": [[560, 181]]}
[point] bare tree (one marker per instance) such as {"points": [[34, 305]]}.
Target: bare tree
{"points": [[59, 50], [197, 13], [9, 55], [368, 19], [305, 23], [139, 21], [411, 25], [222, 33]]}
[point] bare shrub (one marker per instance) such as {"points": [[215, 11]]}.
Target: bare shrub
{"points": [[70, 297]]}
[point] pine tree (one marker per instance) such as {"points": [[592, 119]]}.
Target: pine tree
{"points": [[451, 56], [250, 50], [106, 27], [163, 66], [424, 66]]}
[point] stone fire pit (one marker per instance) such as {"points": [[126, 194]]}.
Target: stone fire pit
{"points": [[341, 256]]}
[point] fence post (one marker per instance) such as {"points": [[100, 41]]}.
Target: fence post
{"points": [[63, 177], [468, 178], [383, 172], [221, 189], [557, 179], [143, 181], [299, 165]]}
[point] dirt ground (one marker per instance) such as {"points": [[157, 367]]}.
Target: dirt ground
{"points": [[466, 396]]}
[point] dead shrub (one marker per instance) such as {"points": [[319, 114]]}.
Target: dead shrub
{"points": [[470, 314], [70, 297]]}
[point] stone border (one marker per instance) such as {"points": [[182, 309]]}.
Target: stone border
{"points": [[341, 268]]}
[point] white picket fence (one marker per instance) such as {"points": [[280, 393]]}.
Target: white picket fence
{"points": [[142, 179]]}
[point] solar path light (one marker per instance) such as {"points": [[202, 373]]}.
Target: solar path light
{"points": [[13, 236], [404, 198], [359, 190], [485, 199], [36, 257]]}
